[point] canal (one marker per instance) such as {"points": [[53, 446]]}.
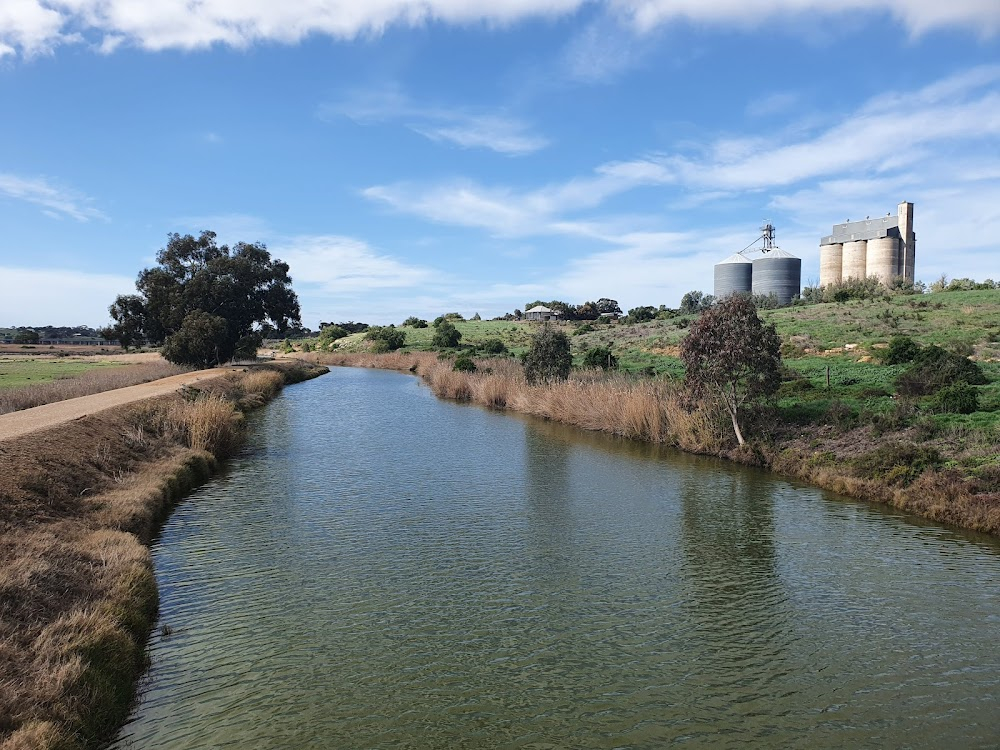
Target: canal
{"points": [[379, 568]]}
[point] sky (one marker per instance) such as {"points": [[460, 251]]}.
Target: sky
{"points": [[417, 157]]}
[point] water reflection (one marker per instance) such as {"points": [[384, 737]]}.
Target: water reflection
{"points": [[382, 569]]}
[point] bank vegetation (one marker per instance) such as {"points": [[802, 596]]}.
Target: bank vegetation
{"points": [[79, 505]]}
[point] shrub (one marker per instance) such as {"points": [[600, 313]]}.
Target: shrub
{"points": [[464, 363], [446, 335], [328, 335], [600, 357], [901, 349], [549, 357], [958, 398], [415, 322], [585, 328], [934, 368], [385, 338], [493, 346], [897, 463]]}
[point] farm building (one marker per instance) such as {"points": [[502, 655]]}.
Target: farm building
{"points": [[884, 248], [540, 312]]}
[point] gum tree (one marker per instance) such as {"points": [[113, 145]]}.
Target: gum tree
{"points": [[731, 353], [206, 302]]}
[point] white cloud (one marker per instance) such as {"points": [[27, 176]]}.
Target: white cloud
{"points": [[56, 201], [460, 126], [48, 296], [338, 265], [918, 16], [34, 26], [509, 213]]}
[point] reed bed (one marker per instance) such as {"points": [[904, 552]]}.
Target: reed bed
{"points": [[85, 384]]}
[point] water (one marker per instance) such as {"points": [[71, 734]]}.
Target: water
{"points": [[383, 569]]}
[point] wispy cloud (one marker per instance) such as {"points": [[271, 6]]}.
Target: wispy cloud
{"points": [[33, 26], [55, 200], [337, 265], [462, 127], [505, 211]]}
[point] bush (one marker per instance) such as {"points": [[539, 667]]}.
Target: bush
{"points": [[464, 363], [328, 335], [415, 322], [549, 357], [897, 463], [493, 346], [600, 357], [446, 336], [585, 328], [385, 338], [959, 398], [934, 368], [196, 341], [901, 349]]}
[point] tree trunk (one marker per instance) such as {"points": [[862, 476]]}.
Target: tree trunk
{"points": [[736, 426]]}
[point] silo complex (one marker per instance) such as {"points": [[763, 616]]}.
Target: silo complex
{"points": [[830, 262], [883, 259], [882, 248], [854, 259], [733, 276], [779, 273]]}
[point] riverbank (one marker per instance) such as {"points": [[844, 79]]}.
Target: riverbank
{"points": [[905, 468], [81, 503]]}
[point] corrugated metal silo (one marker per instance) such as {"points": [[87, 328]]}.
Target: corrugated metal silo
{"points": [[778, 272], [733, 276], [831, 258], [883, 259], [855, 260]]}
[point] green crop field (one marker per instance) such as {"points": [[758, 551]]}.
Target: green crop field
{"points": [[15, 372]]}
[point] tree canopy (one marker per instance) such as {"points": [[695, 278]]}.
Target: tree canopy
{"points": [[206, 302], [733, 354], [549, 357]]}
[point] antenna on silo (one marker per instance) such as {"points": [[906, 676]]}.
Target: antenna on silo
{"points": [[767, 234]]}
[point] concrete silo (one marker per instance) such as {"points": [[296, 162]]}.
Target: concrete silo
{"points": [[733, 276], [831, 258], [907, 240], [778, 272], [883, 259], [855, 259]]}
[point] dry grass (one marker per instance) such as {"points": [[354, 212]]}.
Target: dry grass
{"points": [[85, 384], [78, 505]]}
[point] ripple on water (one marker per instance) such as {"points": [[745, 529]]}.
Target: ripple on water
{"points": [[381, 569]]}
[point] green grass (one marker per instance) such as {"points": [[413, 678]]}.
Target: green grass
{"points": [[21, 372]]}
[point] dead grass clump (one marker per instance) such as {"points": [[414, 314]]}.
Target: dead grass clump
{"points": [[85, 384], [261, 385], [209, 423]]}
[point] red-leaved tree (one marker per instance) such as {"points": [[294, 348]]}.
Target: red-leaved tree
{"points": [[730, 352]]}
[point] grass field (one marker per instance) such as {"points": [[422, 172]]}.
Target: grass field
{"points": [[16, 372]]}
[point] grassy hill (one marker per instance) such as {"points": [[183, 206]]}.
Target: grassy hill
{"points": [[830, 350]]}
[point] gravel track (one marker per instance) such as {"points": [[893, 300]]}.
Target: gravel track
{"points": [[43, 417]]}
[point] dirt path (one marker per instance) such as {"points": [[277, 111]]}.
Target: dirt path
{"points": [[50, 415]]}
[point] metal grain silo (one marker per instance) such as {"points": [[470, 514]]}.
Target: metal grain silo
{"points": [[831, 259], [855, 260], [778, 272], [733, 276], [883, 259]]}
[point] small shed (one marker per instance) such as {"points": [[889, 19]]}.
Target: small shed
{"points": [[540, 312]]}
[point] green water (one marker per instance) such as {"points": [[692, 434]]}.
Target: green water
{"points": [[381, 569]]}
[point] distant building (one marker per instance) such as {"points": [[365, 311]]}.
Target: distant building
{"points": [[884, 248], [540, 312]]}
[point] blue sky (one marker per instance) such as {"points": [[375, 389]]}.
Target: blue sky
{"points": [[420, 157]]}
